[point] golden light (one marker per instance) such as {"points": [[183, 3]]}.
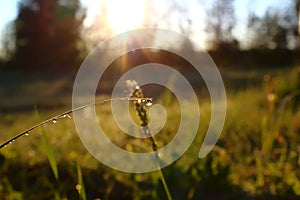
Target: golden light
{"points": [[125, 15]]}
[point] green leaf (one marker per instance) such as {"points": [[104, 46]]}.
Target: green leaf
{"points": [[49, 150], [80, 186]]}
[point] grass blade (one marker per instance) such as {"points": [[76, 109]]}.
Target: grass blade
{"points": [[80, 186], [67, 113], [49, 150]]}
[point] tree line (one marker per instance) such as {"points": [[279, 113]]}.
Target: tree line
{"points": [[45, 35], [50, 35]]}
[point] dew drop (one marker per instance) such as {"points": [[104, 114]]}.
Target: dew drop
{"points": [[148, 103], [78, 187], [54, 121], [27, 134]]}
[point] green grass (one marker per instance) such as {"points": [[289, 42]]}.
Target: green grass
{"points": [[50, 153], [256, 157]]}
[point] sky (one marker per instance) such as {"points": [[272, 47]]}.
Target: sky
{"points": [[8, 10]]}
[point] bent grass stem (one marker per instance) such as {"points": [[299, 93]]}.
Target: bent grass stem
{"points": [[67, 114], [142, 113]]}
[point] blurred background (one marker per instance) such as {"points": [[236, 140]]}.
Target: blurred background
{"points": [[256, 46]]}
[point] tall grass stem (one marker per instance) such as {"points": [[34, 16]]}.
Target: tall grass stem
{"points": [[141, 109]]}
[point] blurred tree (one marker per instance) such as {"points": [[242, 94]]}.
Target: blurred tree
{"points": [[297, 8], [277, 29], [267, 32], [8, 43], [47, 34], [174, 16], [297, 5], [220, 23]]}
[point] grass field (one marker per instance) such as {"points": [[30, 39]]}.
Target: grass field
{"points": [[256, 157]]}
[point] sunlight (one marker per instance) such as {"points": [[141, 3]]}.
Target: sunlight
{"points": [[125, 15]]}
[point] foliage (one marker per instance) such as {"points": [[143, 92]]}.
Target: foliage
{"points": [[220, 23], [267, 32], [47, 34], [257, 156]]}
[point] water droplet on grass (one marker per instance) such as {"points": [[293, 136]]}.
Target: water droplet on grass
{"points": [[65, 116], [27, 134], [149, 103], [68, 116], [78, 187], [54, 121]]}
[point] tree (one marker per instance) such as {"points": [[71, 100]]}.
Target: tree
{"points": [[220, 23], [8, 43], [276, 29], [47, 35], [267, 32], [297, 9]]}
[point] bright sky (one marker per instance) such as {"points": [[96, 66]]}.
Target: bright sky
{"points": [[8, 11]]}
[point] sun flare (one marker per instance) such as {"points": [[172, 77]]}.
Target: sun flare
{"points": [[125, 15]]}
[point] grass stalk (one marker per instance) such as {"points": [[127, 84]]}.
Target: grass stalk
{"points": [[140, 106], [63, 115], [268, 141], [49, 151], [166, 188], [80, 186]]}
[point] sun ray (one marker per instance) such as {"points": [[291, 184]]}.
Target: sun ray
{"points": [[125, 15]]}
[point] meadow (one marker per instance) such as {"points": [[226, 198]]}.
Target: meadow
{"points": [[256, 157]]}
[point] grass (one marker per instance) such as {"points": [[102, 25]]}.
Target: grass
{"points": [[257, 156], [50, 153], [141, 108]]}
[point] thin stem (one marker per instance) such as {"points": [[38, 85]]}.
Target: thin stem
{"points": [[142, 113], [162, 177], [67, 113]]}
